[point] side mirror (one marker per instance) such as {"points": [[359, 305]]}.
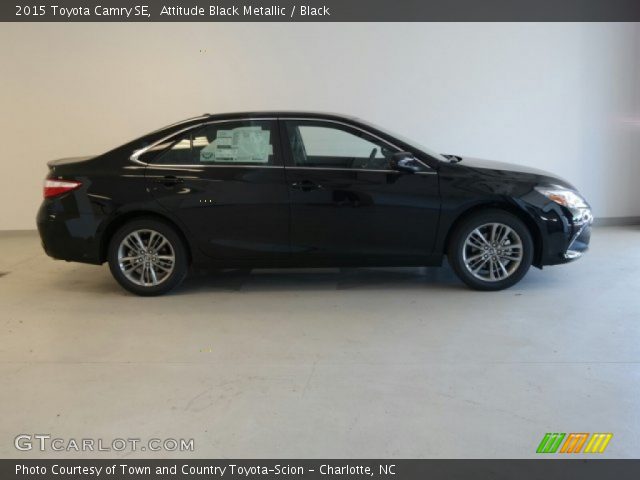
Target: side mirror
{"points": [[404, 162]]}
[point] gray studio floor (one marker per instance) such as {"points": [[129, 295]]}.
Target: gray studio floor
{"points": [[354, 363]]}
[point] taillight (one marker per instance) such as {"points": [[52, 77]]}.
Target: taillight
{"points": [[53, 188]]}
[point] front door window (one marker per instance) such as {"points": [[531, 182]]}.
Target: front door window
{"points": [[325, 145]]}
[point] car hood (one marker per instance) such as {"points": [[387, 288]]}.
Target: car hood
{"points": [[478, 163]]}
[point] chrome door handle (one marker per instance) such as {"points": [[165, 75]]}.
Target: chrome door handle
{"points": [[306, 186], [169, 180]]}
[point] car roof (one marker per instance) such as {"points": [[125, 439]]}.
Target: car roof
{"points": [[280, 113]]}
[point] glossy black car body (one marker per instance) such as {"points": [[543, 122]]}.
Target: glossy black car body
{"points": [[283, 215]]}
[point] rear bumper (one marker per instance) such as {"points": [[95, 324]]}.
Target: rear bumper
{"points": [[65, 236]]}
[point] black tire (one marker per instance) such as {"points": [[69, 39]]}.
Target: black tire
{"points": [[481, 220], [177, 248]]}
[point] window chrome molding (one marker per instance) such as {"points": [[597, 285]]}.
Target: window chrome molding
{"points": [[135, 157], [189, 167], [354, 170], [186, 166], [342, 169]]}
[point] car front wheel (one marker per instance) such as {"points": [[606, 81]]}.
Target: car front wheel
{"points": [[491, 250], [147, 257]]}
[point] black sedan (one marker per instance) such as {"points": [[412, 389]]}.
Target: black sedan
{"points": [[283, 189]]}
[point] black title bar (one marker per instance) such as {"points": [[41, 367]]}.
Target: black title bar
{"points": [[117, 469], [321, 11]]}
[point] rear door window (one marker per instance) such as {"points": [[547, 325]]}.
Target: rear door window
{"points": [[226, 143]]}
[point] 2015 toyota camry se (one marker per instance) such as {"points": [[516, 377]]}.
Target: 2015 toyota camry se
{"points": [[282, 189]]}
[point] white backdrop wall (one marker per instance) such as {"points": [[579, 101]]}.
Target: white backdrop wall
{"points": [[562, 97]]}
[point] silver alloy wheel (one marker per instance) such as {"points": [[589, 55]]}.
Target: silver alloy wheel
{"points": [[492, 252], [146, 257]]}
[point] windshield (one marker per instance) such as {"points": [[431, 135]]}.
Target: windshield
{"points": [[408, 141]]}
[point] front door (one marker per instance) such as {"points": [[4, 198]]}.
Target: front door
{"points": [[225, 182], [348, 206]]}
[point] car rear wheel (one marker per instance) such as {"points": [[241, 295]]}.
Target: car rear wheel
{"points": [[147, 257], [491, 250]]}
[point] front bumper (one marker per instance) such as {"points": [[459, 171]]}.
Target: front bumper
{"points": [[581, 234], [564, 233]]}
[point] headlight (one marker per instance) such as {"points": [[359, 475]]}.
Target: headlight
{"points": [[562, 196]]}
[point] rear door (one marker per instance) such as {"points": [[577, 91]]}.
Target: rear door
{"points": [[225, 182], [347, 205]]}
